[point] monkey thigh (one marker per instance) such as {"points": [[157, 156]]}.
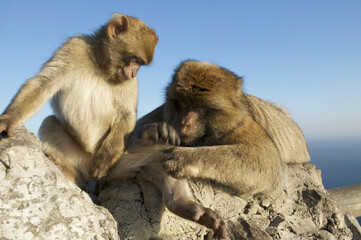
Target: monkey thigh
{"points": [[64, 151]]}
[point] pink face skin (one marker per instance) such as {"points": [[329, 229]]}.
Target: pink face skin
{"points": [[128, 71], [189, 126]]}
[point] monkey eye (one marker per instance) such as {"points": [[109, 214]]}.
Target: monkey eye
{"points": [[200, 88], [138, 61]]}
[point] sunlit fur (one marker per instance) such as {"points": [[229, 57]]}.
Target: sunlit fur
{"points": [[217, 94], [243, 139], [239, 140], [94, 103]]}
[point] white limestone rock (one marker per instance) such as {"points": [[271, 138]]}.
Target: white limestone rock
{"points": [[304, 211], [38, 202]]}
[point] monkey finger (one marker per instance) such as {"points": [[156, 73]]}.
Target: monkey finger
{"points": [[168, 134], [2, 127], [174, 138], [155, 136], [96, 173], [10, 130], [167, 150], [93, 172], [219, 229], [167, 157], [178, 141], [221, 232], [150, 132], [163, 131]]}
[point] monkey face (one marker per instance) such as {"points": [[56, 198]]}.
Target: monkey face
{"points": [[128, 71], [187, 121], [130, 44], [201, 98]]}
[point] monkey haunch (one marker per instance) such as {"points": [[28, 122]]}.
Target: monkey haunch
{"points": [[93, 85], [224, 134]]}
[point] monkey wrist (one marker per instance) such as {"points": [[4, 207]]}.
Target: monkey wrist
{"points": [[9, 119]]}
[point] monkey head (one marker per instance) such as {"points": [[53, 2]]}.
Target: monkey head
{"points": [[129, 44], [201, 101]]}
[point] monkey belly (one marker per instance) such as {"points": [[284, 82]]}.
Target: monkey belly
{"points": [[87, 117], [89, 136]]}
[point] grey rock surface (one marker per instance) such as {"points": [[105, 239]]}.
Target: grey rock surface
{"points": [[38, 202], [304, 211]]}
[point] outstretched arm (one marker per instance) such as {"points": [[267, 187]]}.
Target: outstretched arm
{"points": [[153, 127], [33, 94], [112, 148], [236, 166]]}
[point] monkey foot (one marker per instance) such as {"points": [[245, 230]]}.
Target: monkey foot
{"points": [[204, 216], [210, 219], [96, 173]]}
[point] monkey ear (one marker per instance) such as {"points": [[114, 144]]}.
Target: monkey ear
{"points": [[117, 27]]}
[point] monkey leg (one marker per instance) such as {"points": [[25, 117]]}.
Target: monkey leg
{"points": [[178, 198], [60, 147]]}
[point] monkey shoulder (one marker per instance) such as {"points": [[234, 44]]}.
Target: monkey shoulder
{"points": [[78, 42], [282, 129], [74, 53]]}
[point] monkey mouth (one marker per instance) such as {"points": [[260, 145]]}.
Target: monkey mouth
{"points": [[127, 72], [187, 139], [121, 75]]}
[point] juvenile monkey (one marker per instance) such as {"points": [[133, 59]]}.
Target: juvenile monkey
{"points": [[225, 135], [93, 85]]}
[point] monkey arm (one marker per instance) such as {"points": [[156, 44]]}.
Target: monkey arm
{"points": [[112, 148], [236, 166], [154, 128], [154, 116], [33, 94]]}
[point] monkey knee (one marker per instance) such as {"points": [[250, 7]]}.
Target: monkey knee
{"points": [[65, 152], [49, 125]]}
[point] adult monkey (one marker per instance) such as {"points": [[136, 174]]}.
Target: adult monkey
{"points": [[93, 85], [225, 135]]}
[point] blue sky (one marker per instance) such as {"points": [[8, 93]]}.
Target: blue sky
{"points": [[304, 55]]}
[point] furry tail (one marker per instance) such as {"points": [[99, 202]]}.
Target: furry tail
{"points": [[132, 161]]}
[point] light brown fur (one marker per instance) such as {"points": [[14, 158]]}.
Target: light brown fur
{"points": [[225, 135], [92, 82], [242, 140]]}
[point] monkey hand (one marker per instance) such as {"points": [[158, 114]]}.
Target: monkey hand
{"points": [[160, 132], [7, 125], [96, 173], [99, 169], [177, 163]]}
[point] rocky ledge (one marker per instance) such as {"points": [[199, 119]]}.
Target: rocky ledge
{"points": [[38, 202]]}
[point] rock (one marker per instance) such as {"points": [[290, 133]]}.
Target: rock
{"points": [[304, 211], [38, 202]]}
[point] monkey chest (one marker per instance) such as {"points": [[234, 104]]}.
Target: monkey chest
{"points": [[87, 113]]}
